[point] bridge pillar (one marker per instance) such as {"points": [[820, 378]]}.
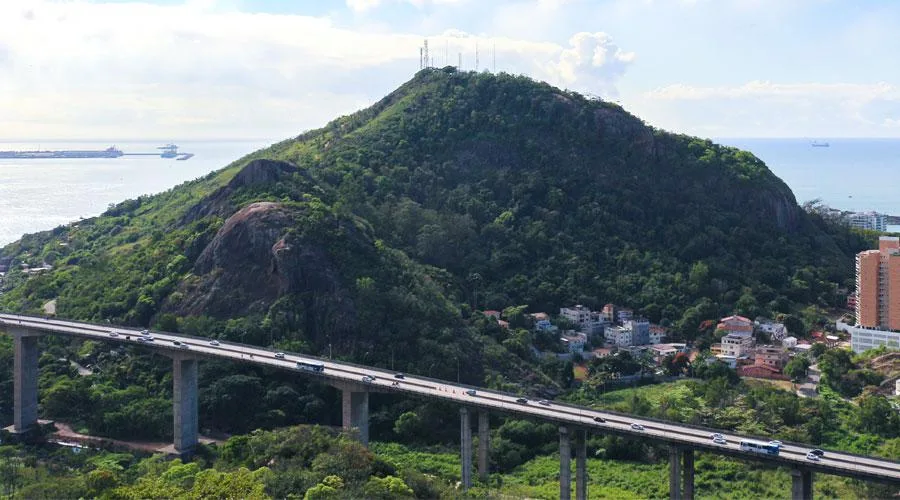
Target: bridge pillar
{"points": [[801, 484], [565, 464], [674, 473], [184, 400], [25, 380], [465, 447], [484, 445], [355, 409], [581, 465], [688, 473]]}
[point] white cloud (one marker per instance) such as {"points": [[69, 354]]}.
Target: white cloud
{"points": [[592, 62], [769, 89], [767, 109], [88, 70], [366, 5]]}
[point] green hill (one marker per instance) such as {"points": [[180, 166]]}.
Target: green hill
{"points": [[377, 234]]}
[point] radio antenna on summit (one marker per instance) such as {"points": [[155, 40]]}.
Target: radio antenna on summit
{"points": [[476, 55], [425, 50]]}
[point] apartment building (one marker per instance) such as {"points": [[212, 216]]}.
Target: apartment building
{"points": [[878, 296]]}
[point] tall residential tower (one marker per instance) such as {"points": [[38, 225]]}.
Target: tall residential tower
{"points": [[878, 302]]}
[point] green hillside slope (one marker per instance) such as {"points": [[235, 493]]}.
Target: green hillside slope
{"points": [[376, 234]]}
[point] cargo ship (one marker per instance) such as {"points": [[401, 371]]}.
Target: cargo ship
{"points": [[110, 152], [167, 151]]}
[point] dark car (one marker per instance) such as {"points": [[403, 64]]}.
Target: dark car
{"points": [[522, 401], [399, 375], [817, 452], [599, 419]]}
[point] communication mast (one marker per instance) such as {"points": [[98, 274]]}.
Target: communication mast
{"points": [[476, 55], [459, 62], [425, 49], [494, 57]]}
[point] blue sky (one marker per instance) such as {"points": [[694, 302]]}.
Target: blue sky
{"points": [[271, 68]]}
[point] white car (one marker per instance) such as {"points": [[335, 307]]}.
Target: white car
{"points": [[544, 402], [279, 355], [716, 435], [720, 440], [113, 333], [812, 456], [776, 442], [368, 379], [214, 343], [637, 427], [145, 332]]}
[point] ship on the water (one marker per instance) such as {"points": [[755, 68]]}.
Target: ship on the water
{"points": [[110, 152], [817, 144], [167, 151]]}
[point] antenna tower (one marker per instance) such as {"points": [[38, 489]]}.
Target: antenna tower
{"points": [[421, 60], [476, 55], [426, 53], [459, 62]]}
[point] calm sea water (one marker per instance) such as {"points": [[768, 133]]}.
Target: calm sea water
{"points": [[36, 195], [850, 174]]}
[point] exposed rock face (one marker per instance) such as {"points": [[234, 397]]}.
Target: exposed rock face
{"points": [[255, 259], [255, 173]]}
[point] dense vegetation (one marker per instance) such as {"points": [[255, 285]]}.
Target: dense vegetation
{"points": [[456, 190], [374, 238]]}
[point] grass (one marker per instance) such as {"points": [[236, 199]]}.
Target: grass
{"points": [[715, 477]]}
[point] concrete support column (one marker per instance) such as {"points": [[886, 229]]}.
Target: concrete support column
{"points": [[484, 445], [25, 383], [184, 400], [801, 484], [355, 409], [565, 465], [688, 473], [674, 473], [465, 447], [581, 465]]}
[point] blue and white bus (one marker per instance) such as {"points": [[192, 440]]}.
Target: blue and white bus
{"points": [[311, 366], [759, 447]]}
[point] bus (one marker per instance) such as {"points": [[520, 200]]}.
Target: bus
{"points": [[759, 447], [311, 366]]}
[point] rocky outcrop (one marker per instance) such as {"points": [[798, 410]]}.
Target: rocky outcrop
{"points": [[256, 173], [255, 259]]}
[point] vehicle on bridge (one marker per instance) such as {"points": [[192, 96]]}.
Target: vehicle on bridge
{"points": [[310, 366], [759, 447]]}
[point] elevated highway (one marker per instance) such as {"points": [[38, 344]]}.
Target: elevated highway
{"points": [[357, 381]]}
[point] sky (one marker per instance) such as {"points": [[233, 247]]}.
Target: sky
{"points": [[271, 69]]}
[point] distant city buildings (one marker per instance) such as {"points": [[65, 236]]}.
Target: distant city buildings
{"points": [[872, 221], [878, 296]]}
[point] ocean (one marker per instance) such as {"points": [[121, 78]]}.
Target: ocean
{"points": [[36, 195]]}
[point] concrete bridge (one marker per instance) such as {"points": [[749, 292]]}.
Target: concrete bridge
{"points": [[357, 381]]}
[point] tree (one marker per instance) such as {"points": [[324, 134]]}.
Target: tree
{"points": [[796, 368], [408, 426], [875, 415], [818, 349], [386, 488]]}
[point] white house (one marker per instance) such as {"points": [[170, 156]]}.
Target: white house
{"points": [[574, 343], [776, 330], [789, 342], [618, 335], [737, 345]]}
